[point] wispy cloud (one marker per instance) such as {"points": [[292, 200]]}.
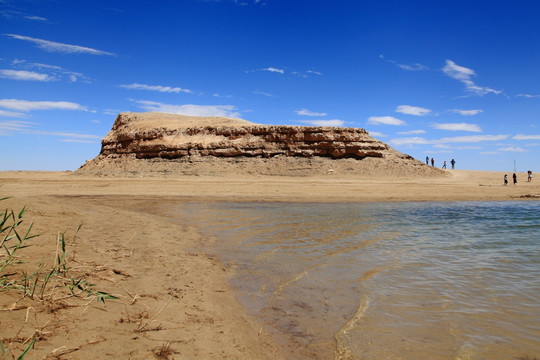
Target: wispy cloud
{"points": [[376, 134], [457, 127], [13, 125], [513, 149], [52, 46], [412, 132], [35, 18], [412, 110], [24, 75], [222, 96], [25, 105], [257, 92], [7, 128], [274, 70], [528, 96], [443, 143], [408, 67], [52, 72], [467, 112], [166, 89], [463, 74], [306, 112], [473, 138], [385, 120], [9, 14], [410, 141], [12, 114], [65, 134], [333, 122], [192, 110], [526, 137]]}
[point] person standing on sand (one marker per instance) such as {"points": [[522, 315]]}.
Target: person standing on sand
{"points": [[453, 162], [505, 179], [427, 160], [515, 178], [529, 176], [444, 165], [432, 162]]}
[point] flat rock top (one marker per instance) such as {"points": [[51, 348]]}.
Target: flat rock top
{"points": [[153, 120]]}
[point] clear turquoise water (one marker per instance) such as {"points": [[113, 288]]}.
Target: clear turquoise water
{"points": [[457, 280]]}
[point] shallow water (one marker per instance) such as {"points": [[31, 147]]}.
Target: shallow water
{"points": [[457, 280]]}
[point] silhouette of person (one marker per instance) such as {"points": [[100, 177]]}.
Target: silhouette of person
{"points": [[515, 178], [444, 165], [505, 179], [453, 162], [432, 162]]}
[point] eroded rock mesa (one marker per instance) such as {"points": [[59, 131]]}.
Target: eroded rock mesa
{"points": [[161, 139]]}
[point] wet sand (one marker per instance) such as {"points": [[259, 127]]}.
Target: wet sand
{"points": [[174, 300]]}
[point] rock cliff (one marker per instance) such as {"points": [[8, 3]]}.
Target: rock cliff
{"points": [[174, 140]]}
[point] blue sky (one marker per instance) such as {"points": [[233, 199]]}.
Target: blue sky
{"points": [[444, 79]]}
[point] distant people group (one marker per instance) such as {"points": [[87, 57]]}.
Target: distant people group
{"points": [[514, 177], [452, 162]]}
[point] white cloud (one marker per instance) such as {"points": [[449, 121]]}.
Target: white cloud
{"points": [[275, 70], [410, 141], [51, 71], [412, 67], [314, 72], [159, 88], [467, 112], [457, 127], [24, 75], [8, 127], [78, 141], [412, 132], [192, 110], [512, 149], [528, 96], [24, 105], [64, 134], [334, 122], [385, 120], [412, 110], [36, 18], [223, 96], [5, 113], [52, 46], [376, 134], [306, 112], [457, 72], [473, 138], [526, 137], [13, 125], [464, 75], [263, 93]]}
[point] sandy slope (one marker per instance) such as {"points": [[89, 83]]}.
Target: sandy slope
{"points": [[171, 291]]}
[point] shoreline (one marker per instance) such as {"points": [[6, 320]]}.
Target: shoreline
{"points": [[123, 247], [460, 185]]}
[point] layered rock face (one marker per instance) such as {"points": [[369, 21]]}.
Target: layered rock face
{"points": [[239, 140], [166, 144]]}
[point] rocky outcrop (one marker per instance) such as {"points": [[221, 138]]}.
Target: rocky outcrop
{"points": [[240, 141], [177, 143]]}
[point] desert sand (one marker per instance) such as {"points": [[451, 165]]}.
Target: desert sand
{"points": [[173, 296]]}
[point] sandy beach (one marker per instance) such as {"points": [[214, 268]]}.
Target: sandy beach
{"points": [[173, 297]]}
